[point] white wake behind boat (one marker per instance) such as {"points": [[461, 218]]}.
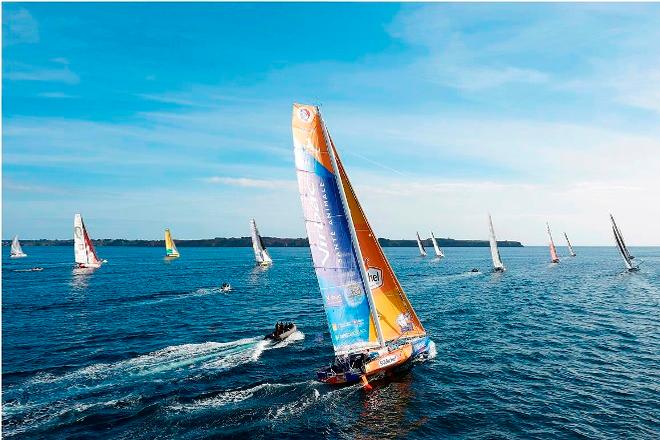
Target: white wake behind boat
{"points": [[422, 251], [16, 249], [623, 249], [261, 255], [83, 249], [498, 266], [436, 248]]}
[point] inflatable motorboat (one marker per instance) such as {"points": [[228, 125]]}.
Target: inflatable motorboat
{"points": [[282, 331], [226, 287]]}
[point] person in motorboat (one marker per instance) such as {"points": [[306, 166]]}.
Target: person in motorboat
{"points": [[226, 287], [282, 331]]}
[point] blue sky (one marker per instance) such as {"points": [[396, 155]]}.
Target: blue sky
{"points": [[146, 116]]}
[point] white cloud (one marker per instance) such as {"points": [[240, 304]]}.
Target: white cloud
{"points": [[19, 27], [247, 182], [22, 72]]}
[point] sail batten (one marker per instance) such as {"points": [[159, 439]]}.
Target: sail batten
{"points": [[494, 251], [436, 248], [261, 255]]}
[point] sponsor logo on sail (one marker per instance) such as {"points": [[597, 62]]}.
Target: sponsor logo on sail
{"points": [[304, 115], [375, 276]]}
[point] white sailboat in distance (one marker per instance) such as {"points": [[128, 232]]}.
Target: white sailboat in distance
{"points": [[623, 249], [16, 249], [498, 266], [436, 248], [553, 250], [260, 252], [422, 251], [570, 247], [83, 248]]}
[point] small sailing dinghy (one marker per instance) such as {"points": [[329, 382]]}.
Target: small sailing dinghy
{"points": [[498, 266], [83, 248], [436, 248], [16, 249], [373, 326], [553, 250], [170, 248], [623, 249], [570, 248], [260, 253], [422, 251]]}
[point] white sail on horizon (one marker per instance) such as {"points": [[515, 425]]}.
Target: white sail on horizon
{"points": [[422, 251], [494, 251], [553, 250], [436, 248], [570, 247], [260, 253], [16, 249], [621, 245], [84, 252]]}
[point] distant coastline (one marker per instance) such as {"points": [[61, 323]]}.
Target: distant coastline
{"points": [[246, 242]]}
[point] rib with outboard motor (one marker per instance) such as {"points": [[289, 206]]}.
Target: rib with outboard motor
{"points": [[16, 249], [260, 253], [498, 266], [570, 247], [436, 248], [371, 322], [422, 251], [623, 249], [553, 250], [83, 248]]}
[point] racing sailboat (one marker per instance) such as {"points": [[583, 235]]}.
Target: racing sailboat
{"points": [[170, 248], [553, 250], [570, 248], [623, 249], [436, 248], [498, 266], [16, 249], [422, 251], [373, 326], [260, 253], [82, 246]]}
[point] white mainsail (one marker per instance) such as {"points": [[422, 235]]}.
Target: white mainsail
{"points": [[16, 250], [83, 248], [494, 251], [436, 248], [260, 252], [570, 248], [621, 245], [422, 251]]}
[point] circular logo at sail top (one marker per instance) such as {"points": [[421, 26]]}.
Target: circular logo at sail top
{"points": [[304, 114]]}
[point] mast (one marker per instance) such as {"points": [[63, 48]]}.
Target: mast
{"points": [[351, 228]]}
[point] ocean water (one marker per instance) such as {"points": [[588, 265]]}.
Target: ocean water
{"points": [[143, 348]]}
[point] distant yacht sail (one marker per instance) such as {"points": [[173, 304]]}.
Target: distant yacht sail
{"points": [[170, 248], [623, 249], [373, 326], [16, 250], [570, 248], [83, 248], [498, 266], [436, 248], [553, 251], [260, 252], [422, 251]]}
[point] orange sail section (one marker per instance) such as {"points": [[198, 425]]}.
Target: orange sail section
{"points": [[397, 316]]}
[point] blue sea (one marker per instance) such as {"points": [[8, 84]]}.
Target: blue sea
{"points": [[144, 348]]}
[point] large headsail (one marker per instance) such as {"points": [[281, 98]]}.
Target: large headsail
{"points": [[336, 260], [422, 251], [620, 237], [16, 250], [553, 250], [494, 251], [83, 248], [436, 248], [621, 245], [570, 247], [260, 252], [170, 246]]}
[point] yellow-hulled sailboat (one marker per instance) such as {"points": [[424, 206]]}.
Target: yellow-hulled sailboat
{"points": [[373, 326]]}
